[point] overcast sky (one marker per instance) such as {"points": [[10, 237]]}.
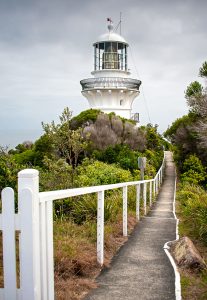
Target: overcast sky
{"points": [[46, 49]]}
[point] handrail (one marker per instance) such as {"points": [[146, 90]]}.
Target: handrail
{"points": [[61, 194]]}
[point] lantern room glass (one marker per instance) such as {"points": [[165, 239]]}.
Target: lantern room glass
{"points": [[110, 56]]}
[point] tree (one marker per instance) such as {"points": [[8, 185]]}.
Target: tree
{"points": [[203, 70], [20, 148], [194, 89], [189, 133], [69, 143]]}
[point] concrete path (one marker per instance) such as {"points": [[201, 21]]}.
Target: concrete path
{"points": [[141, 270]]}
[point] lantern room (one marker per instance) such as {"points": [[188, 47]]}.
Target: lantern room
{"points": [[110, 51], [110, 55]]}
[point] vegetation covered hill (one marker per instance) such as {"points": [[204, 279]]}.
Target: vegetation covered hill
{"points": [[92, 148]]}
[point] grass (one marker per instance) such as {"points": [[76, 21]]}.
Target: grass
{"points": [[193, 283], [75, 255]]}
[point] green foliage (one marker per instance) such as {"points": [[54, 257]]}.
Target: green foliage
{"points": [[9, 169], [92, 173], [85, 117], [154, 140], [70, 143], [25, 158], [193, 200], [119, 154], [20, 148], [193, 170], [203, 70], [43, 147], [194, 89], [154, 158], [180, 122], [55, 175], [85, 208]]}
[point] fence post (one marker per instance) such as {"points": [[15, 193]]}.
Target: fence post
{"points": [[145, 198], [137, 201], [9, 244], [125, 211], [28, 201], [100, 228]]}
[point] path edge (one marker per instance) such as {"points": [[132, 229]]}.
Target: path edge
{"points": [[166, 249]]}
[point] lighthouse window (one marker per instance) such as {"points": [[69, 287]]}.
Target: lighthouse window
{"points": [[110, 55], [121, 102]]}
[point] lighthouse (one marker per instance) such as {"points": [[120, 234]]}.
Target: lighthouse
{"points": [[111, 89]]}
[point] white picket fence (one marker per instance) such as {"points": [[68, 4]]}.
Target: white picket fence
{"points": [[34, 221]]}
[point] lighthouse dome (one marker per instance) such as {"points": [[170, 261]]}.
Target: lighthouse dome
{"points": [[111, 36]]}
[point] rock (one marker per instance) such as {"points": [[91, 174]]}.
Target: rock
{"points": [[186, 255]]}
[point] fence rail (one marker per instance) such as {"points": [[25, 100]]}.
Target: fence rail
{"points": [[34, 222]]}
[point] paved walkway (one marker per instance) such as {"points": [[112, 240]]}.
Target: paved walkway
{"points": [[141, 270]]}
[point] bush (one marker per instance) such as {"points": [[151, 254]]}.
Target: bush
{"points": [[193, 200], [194, 172], [92, 173], [9, 169], [84, 208], [84, 118]]}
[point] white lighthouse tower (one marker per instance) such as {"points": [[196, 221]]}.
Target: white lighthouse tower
{"points": [[111, 89]]}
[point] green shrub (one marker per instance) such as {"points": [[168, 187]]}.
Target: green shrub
{"points": [[193, 200], [84, 208], [27, 157], [84, 117], [193, 170], [92, 173]]}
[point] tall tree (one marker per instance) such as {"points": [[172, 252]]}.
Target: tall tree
{"points": [[68, 142]]}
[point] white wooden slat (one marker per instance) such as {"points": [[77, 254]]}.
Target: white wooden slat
{"points": [[125, 211], [1, 294], [18, 294], [150, 195], [137, 202], [17, 223], [100, 228], [0, 221], [9, 244], [43, 251], [50, 254], [27, 246], [145, 197]]}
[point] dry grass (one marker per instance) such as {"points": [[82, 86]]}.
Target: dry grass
{"points": [[75, 255]]}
